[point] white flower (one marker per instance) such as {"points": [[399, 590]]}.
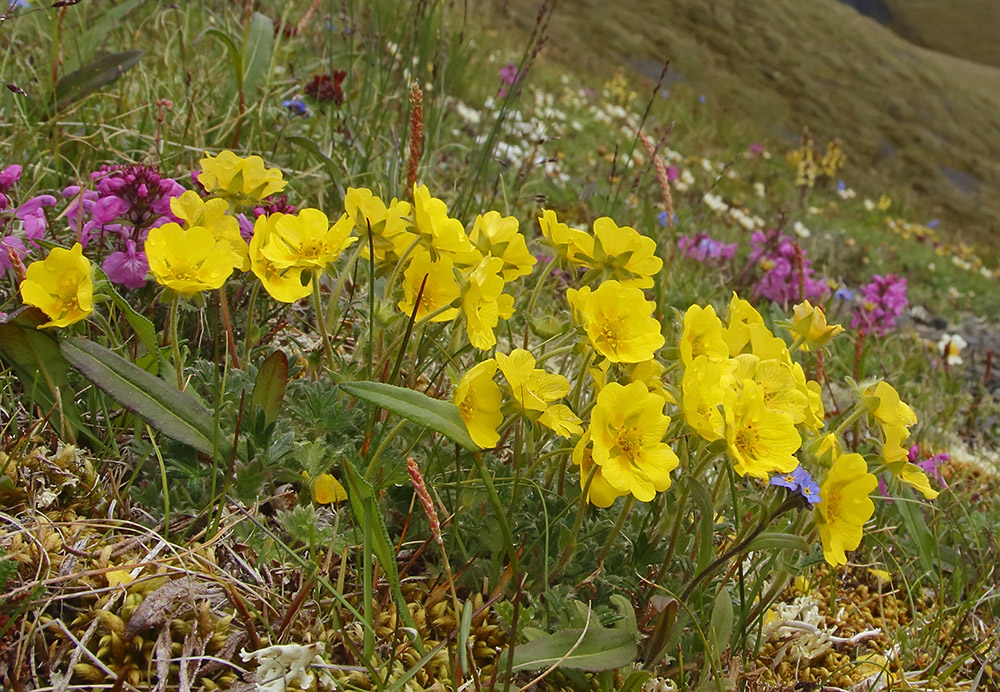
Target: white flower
{"points": [[289, 664], [801, 230], [469, 115], [950, 347], [759, 189], [869, 205]]}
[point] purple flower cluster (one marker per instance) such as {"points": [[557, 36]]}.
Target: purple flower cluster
{"points": [[800, 481], [882, 302], [30, 213], [125, 202], [704, 248], [787, 272]]}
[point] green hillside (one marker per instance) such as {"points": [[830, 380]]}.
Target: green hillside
{"points": [[919, 124], [964, 28]]}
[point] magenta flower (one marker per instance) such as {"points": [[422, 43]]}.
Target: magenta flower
{"points": [[787, 273], [883, 301], [704, 248], [128, 267], [30, 212]]}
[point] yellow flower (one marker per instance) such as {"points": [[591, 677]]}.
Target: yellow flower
{"points": [[212, 215], [60, 286], [702, 335], [601, 493], [307, 240], [627, 427], [777, 382], [238, 179], [766, 345], [326, 489], [618, 321], [809, 324], [390, 226], [895, 417], [625, 254], [737, 332], [484, 303], [703, 388], [283, 284], [498, 236], [440, 290], [188, 261], [844, 507], [571, 244], [442, 233], [478, 399], [535, 390], [760, 441]]}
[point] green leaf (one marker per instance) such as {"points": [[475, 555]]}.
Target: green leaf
{"points": [[174, 413], [141, 324], [779, 541], [600, 649], [360, 493], [722, 623], [92, 76], [257, 50], [269, 389], [235, 57], [635, 681], [433, 414], [336, 172], [93, 37], [909, 510], [35, 358]]}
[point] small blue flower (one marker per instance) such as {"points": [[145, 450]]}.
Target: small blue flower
{"points": [[799, 480], [843, 294], [841, 185], [933, 223], [296, 107], [702, 99]]}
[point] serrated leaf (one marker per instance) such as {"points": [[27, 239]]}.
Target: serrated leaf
{"points": [[269, 388], [779, 541], [174, 413], [35, 358], [257, 49], [722, 623], [600, 649], [94, 75], [433, 414]]}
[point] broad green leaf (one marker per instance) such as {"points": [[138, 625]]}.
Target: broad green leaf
{"points": [[94, 75], [174, 413], [433, 414], [360, 493], [600, 649], [257, 48], [88, 43], [779, 541], [269, 389], [722, 623], [35, 359]]}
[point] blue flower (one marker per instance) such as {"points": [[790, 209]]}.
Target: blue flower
{"points": [[843, 294], [799, 480], [296, 107], [841, 185], [702, 99], [933, 223]]}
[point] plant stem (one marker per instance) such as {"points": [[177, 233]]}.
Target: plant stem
{"points": [[320, 324], [175, 344], [629, 502]]}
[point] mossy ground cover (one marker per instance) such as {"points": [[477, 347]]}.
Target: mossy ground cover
{"points": [[490, 373]]}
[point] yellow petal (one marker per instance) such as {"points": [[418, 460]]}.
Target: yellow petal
{"points": [[328, 489]]}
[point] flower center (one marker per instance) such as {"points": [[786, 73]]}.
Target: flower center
{"points": [[629, 441]]}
